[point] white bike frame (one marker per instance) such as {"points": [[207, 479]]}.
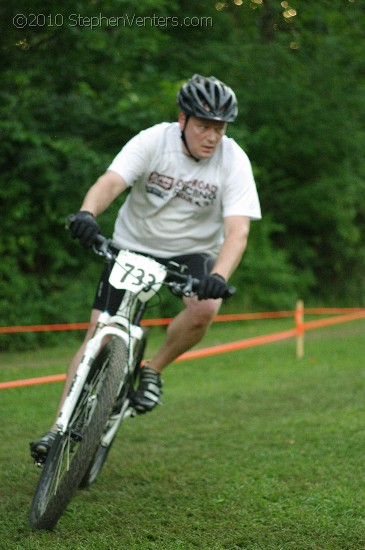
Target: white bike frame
{"points": [[117, 325]]}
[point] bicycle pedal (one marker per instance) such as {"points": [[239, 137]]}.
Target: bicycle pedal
{"points": [[39, 463]]}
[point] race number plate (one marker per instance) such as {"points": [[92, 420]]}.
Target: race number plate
{"points": [[142, 275]]}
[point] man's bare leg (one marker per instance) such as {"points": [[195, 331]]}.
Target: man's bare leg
{"points": [[40, 448], [186, 330]]}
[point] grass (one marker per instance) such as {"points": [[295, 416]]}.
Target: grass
{"points": [[252, 449]]}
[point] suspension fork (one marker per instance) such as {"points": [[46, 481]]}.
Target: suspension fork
{"points": [[92, 349], [123, 329]]}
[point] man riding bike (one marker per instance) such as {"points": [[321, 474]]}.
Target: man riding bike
{"points": [[192, 196]]}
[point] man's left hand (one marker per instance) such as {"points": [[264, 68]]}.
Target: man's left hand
{"points": [[212, 286]]}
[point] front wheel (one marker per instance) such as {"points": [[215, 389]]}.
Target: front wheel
{"points": [[122, 406], [72, 452]]}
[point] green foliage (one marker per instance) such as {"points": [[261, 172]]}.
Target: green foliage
{"points": [[73, 94], [267, 280]]}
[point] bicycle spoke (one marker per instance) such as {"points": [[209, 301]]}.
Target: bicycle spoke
{"points": [[71, 453]]}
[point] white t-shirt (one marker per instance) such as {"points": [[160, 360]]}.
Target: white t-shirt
{"points": [[177, 205]]}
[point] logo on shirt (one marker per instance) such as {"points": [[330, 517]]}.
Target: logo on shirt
{"points": [[195, 191], [166, 182]]}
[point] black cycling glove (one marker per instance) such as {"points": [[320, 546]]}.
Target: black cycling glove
{"points": [[212, 286], [84, 227]]}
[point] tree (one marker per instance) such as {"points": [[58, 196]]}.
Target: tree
{"points": [[77, 83]]}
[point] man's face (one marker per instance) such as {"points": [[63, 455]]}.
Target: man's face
{"points": [[202, 136]]}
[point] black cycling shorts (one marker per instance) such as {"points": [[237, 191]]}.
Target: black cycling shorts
{"points": [[108, 298]]}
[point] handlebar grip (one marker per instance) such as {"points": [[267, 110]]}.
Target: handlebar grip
{"points": [[99, 238], [229, 292]]}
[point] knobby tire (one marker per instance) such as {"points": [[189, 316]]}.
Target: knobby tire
{"points": [[68, 460], [102, 451]]}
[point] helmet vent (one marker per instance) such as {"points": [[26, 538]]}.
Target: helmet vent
{"points": [[209, 98]]}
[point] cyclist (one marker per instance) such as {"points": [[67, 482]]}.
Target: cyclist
{"points": [[192, 196]]}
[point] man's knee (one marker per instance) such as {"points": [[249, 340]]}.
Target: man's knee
{"points": [[202, 312]]}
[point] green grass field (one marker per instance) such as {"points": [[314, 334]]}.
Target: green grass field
{"points": [[252, 449]]}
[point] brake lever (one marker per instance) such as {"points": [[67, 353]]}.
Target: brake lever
{"points": [[101, 248], [188, 288]]}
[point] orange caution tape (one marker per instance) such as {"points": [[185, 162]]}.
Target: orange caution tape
{"points": [[214, 350], [44, 328], [32, 381], [333, 310], [167, 320], [145, 322], [195, 354], [240, 344], [310, 325]]}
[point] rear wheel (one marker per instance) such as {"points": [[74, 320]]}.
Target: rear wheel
{"points": [[71, 452]]}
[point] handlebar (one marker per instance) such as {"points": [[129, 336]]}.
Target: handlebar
{"points": [[179, 282]]}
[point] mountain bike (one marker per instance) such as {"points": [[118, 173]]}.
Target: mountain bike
{"points": [[100, 396]]}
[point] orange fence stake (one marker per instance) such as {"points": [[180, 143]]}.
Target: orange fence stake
{"points": [[299, 323]]}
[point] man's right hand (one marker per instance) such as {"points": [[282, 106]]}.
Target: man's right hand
{"points": [[84, 227]]}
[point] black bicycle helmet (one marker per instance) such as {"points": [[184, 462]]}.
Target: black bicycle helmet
{"points": [[209, 98]]}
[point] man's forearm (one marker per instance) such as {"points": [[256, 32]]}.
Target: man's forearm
{"points": [[229, 257], [103, 192], [233, 247]]}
